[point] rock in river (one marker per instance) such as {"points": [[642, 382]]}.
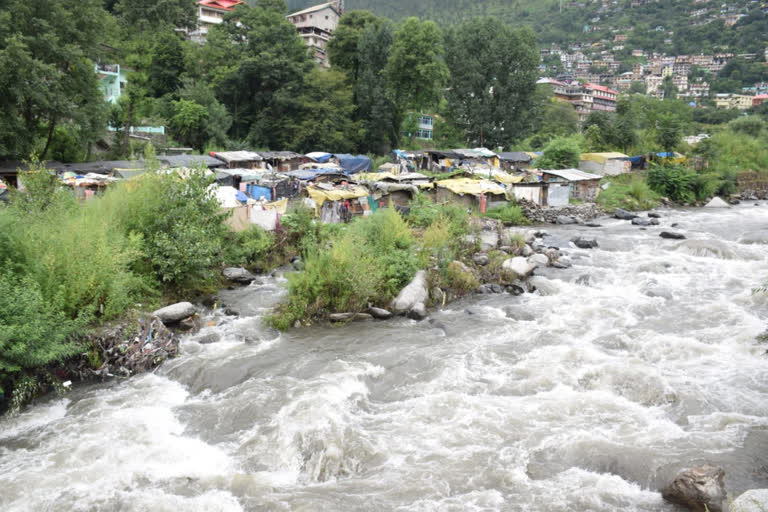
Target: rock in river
{"points": [[584, 243], [175, 312], [699, 489], [716, 202], [622, 214], [672, 235], [379, 314], [238, 275], [521, 267], [413, 296], [349, 317], [641, 221]]}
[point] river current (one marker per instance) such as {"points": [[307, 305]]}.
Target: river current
{"points": [[587, 395]]}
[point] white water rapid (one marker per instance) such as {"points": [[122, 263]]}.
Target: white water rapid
{"points": [[587, 395]]}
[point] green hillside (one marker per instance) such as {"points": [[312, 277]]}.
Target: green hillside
{"points": [[673, 26]]}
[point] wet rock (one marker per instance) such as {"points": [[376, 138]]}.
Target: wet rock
{"points": [[559, 264], [655, 222], [593, 225], [584, 243], [380, 314], [622, 214], [699, 489], [349, 317], [675, 225], [514, 289], [297, 264], [520, 266], [412, 296], [754, 500], [175, 312], [526, 250], [552, 254], [716, 202], [539, 260], [418, 312], [437, 294], [654, 215], [672, 235], [497, 288], [231, 312], [188, 324], [481, 259], [519, 313], [562, 219], [238, 275], [207, 339], [641, 221], [484, 289]]}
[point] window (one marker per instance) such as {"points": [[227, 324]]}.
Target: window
{"points": [[424, 134], [425, 120]]}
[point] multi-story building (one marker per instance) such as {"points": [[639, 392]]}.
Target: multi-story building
{"points": [[112, 80], [681, 82], [316, 25], [586, 98], [210, 13], [738, 101], [653, 85], [682, 65], [426, 125]]}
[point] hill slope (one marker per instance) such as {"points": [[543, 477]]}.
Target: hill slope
{"points": [[674, 26]]}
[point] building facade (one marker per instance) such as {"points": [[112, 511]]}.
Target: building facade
{"points": [[210, 13], [316, 25]]}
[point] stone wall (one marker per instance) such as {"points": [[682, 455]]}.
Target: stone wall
{"points": [[580, 212]]}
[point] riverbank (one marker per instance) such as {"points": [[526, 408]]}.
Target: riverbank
{"points": [[637, 360]]}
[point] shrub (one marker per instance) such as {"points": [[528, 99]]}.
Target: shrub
{"points": [[509, 213], [628, 191], [460, 279], [251, 248], [673, 182], [560, 153]]}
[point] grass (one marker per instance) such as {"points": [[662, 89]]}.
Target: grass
{"points": [[509, 214], [628, 191]]}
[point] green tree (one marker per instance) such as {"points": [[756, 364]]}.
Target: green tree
{"points": [[669, 132], [258, 67], [416, 73], [638, 87], [47, 78], [168, 64], [560, 153], [325, 112], [148, 15], [188, 124], [750, 125], [218, 120], [493, 78], [669, 88], [344, 46]]}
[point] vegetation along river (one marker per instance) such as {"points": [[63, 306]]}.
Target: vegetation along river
{"points": [[586, 395]]}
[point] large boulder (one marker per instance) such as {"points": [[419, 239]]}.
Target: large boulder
{"points": [[565, 219], [520, 266], [413, 295], [238, 275], [379, 313], [699, 489], [716, 202], [175, 312], [540, 260], [622, 214], [754, 500], [489, 239]]}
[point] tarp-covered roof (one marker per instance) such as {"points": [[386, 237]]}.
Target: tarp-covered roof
{"points": [[311, 174], [476, 153], [337, 194], [353, 163], [572, 174], [237, 156], [319, 156], [443, 154], [470, 186], [515, 156], [601, 158], [280, 155], [190, 161]]}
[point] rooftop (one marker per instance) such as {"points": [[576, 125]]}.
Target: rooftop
{"points": [[224, 5], [315, 8]]}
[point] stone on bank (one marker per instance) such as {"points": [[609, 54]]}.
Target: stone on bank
{"points": [[413, 297], [175, 312], [700, 489]]}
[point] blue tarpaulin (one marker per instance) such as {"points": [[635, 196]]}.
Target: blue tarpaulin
{"points": [[354, 164], [241, 197], [319, 156], [636, 159], [257, 192]]}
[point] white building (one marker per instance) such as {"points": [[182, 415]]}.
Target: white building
{"points": [[316, 25], [210, 13]]}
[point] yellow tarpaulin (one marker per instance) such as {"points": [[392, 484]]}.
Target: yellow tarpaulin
{"points": [[281, 206], [320, 196], [503, 177], [601, 158], [470, 186]]}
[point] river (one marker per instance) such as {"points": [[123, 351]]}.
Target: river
{"points": [[587, 395]]}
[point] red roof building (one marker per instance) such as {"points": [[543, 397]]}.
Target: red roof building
{"points": [[210, 13]]}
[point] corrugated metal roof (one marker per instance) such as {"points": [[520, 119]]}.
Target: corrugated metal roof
{"points": [[515, 156], [238, 156], [314, 8], [572, 174]]}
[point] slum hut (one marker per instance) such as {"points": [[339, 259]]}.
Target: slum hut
{"points": [[328, 201], [238, 159], [9, 172], [319, 156], [352, 164], [438, 161], [322, 175], [282, 161], [394, 189], [468, 192], [5, 195], [515, 161], [479, 157], [86, 186], [605, 164], [191, 161], [582, 186], [670, 158], [535, 192]]}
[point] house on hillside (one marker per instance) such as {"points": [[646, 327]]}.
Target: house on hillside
{"points": [[210, 13], [515, 161], [239, 159], [316, 25], [282, 160]]}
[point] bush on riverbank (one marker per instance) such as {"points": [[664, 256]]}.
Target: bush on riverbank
{"points": [[368, 263], [69, 265], [627, 191], [509, 214]]}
